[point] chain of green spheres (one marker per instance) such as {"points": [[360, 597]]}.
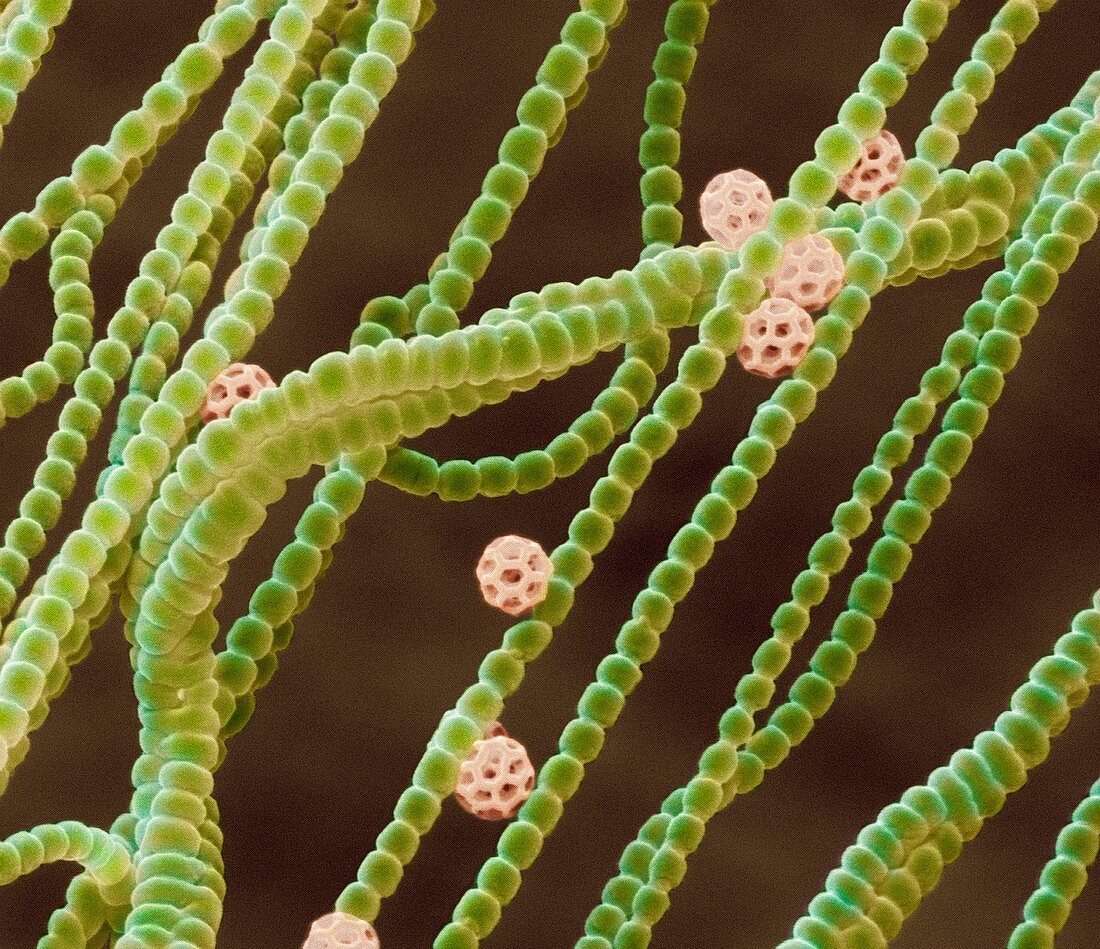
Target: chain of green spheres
{"points": [[656, 862], [301, 114], [739, 758]]}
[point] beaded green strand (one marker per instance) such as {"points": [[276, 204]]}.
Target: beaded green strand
{"points": [[712, 521], [1063, 878], [561, 85], [900, 858], [633, 903], [659, 148], [177, 503]]}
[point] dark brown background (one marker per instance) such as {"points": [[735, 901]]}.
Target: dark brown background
{"points": [[397, 628]]}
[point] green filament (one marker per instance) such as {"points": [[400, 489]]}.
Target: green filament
{"points": [[177, 503]]}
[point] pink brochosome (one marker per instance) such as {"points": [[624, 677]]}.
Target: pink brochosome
{"points": [[734, 206], [341, 931], [878, 170], [237, 383], [514, 573], [810, 275], [495, 780], [777, 336], [495, 730]]}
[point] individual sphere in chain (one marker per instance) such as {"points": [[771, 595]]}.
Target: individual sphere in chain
{"points": [[734, 206], [777, 336], [237, 383], [341, 931], [811, 273], [514, 573], [495, 780], [879, 168]]}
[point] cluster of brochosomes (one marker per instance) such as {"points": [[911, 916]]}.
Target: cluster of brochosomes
{"points": [[178, 502], [737, 204]]}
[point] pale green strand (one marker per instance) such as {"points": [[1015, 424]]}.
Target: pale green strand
{"points": [[523, 643], [478, 912], [541, 114], [791, 723], [324, 135], [1062, 879], [26, 35], [640, 902], [353, 412], [98, 184], [149, 633], [174, 307], [104, 856], [659, 148], [909, 518], [900, 858]]}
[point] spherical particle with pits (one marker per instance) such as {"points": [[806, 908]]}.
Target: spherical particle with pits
{"points": [[495, 780], [494, 730], [514, 573], [237, 383], [341, 931], [810, 275], [879, 168], [734, 206], [776, 337]]}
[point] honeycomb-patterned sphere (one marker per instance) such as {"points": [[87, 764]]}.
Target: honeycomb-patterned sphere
{"points": [[237, 383], [514, 573], [811, 273], [776, 337], [496, 779], [341, 931], [494, 730], [878, 170], [734, 206]]}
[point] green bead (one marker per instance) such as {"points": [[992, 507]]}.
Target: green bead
{"points": [[520, 844]]}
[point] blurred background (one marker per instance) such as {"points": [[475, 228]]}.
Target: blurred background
{"points": [[397, 628]]}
